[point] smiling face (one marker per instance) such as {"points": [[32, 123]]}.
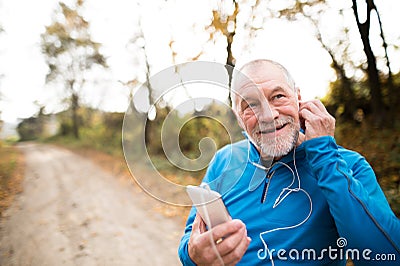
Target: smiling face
{"points": [[267, 107]]}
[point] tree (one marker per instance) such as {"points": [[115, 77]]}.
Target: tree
{"points": [[342, 95], [138, 41], [225, 22], [69, 53], [314, 11], [374, 80]]}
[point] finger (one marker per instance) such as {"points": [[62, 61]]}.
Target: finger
{"points": [[195, 244], [197, 226], [313, 108], [307, 116], [235, 255], [202, 225], [317, 125], [232, 241], [320, 106], [226, 229]]}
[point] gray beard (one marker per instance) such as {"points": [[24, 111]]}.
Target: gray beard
{"points": [[279, 146]]}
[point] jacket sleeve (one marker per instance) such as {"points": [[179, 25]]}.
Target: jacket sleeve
{"points": [[361, 212], [183, 252], [183, 246]]}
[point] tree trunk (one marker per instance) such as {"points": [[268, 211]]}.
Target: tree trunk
{"points": [[393, 99], [230, 64], [151, 99], [377, 104], [230, 59], [385, 46], [75, 120]]}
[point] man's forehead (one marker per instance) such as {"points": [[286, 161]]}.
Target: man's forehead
{"points": [[258, 73], [250, 87], [263, 71]]}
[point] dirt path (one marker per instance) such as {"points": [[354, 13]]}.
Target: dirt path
{"points": [[73, 213]]}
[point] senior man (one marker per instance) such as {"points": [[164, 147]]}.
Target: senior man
{"points": [[295, 196]]}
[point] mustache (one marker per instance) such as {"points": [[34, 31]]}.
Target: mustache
{"points": [[273, 125]]}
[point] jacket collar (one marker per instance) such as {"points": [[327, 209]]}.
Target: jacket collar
{"points": [[260, 170]]}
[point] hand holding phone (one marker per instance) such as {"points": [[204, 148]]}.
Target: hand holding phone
{"points": [[209, 205]]}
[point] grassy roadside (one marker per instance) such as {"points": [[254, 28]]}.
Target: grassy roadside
{"points": [[11, 174]]}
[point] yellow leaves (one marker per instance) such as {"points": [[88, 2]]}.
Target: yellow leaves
{"points": [[11, 174], [57, 29], [68, 47], [73, 18], [224, 23]]}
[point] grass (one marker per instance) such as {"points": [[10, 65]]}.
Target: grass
{"points": [[11, 174]]}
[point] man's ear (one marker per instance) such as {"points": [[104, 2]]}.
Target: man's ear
{"points": [[297, 89]]}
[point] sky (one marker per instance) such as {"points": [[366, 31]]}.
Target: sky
{"points": [[114, 23]]}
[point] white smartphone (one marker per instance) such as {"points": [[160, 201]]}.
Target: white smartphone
{"points": [[209, 205]]}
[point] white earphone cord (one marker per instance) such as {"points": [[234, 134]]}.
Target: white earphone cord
{"points": [[278, 201], [212, 241]]}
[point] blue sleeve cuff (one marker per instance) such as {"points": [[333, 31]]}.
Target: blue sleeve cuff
{"points": [[320, 150], [184, 253]]}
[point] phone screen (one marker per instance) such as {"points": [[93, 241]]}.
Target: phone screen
{"points": [[209, 205]]}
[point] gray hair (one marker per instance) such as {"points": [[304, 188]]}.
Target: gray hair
{"points": [[258, 62]]}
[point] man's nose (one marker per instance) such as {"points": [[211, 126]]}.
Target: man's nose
{"points": [[267, 113]]}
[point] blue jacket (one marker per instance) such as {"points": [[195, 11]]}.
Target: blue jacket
{"points": [[316, 205]]}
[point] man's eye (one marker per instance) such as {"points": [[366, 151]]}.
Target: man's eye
{"points": [[278, 96], [249, 106]]}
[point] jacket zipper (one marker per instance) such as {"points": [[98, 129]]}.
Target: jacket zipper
{"points": [[268, 178]]}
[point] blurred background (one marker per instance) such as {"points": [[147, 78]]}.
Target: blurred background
{"points": [[68, 70]]}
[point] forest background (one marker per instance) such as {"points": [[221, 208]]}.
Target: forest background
{"points": [[363, 95]]}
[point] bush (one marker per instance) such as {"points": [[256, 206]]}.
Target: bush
{"points": [[381, 148]]}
